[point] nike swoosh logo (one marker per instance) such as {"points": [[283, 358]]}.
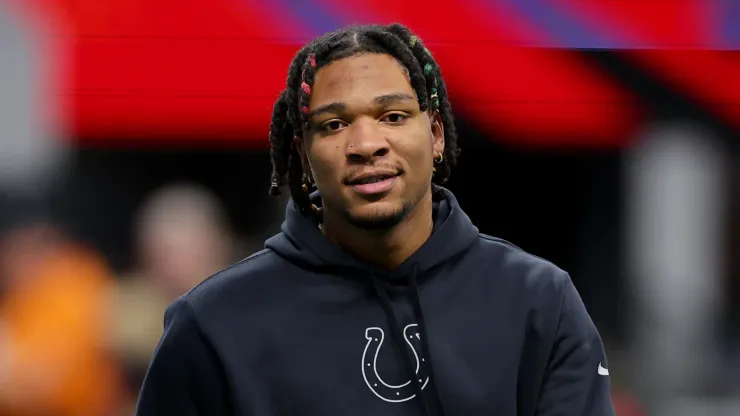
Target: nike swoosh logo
{"points": [[603, 371]]}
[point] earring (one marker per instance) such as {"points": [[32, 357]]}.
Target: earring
{"points": [[437, 161]]}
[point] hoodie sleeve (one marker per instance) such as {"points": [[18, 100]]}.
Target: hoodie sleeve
{"points": [[577, 377], [184, 377]]}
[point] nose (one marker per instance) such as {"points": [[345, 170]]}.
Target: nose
{"points": [[365, 142]]}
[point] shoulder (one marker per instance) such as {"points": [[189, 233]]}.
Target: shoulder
{"points": [[543, 291], [533, 273], [248, 283]]}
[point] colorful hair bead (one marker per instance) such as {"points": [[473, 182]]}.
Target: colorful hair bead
{"points": [[306, 88], [427, 69], [412, 41], [304, 110], [312, 60]]}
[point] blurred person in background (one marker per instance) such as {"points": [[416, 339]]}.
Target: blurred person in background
{"points": [[182, 235], [54, 359], [380, 296]]}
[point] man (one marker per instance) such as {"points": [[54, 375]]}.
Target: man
{"points": [[182, 236], [379, 297]]}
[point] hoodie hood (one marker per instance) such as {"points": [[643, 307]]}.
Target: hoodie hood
{"points": [[302, 242]]}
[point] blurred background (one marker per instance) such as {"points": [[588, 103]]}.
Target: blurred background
{"points": [[599, 134]]}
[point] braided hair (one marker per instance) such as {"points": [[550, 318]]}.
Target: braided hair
{"points": [[290, 111]]}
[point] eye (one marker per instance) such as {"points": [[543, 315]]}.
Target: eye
{"points": [[333, 125], [394, 118]]}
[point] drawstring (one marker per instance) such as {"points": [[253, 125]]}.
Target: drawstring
{"points": [[424, 344], [396, 332], [385, 302]]}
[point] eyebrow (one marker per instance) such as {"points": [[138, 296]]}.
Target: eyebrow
{"points": [[381, 100], [328, 108], [392, 98]]}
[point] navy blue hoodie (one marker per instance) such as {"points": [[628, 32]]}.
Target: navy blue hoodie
{"points": [[468, 325]]}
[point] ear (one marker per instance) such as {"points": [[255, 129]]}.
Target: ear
{"points": [[300, 147], [438, 133]]}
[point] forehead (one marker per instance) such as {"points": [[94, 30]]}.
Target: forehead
{"points": [[359, 78]]}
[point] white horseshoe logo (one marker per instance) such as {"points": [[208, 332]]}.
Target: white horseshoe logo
{"points": [[388, 392]]}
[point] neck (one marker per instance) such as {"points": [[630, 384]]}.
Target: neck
{"points": [[385, 248]]}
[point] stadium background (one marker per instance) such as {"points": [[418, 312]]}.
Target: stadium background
{"points": [[599, 134]]}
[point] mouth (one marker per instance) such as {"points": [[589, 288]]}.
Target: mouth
{"points": [[374, 184]]}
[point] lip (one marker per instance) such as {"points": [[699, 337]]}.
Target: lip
{"points": [[375, 188], [372, 174]]}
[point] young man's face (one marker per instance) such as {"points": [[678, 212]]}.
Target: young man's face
{"points": [[369, 148]]}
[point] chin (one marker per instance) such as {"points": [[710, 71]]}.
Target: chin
{"points": [[379, 215]]}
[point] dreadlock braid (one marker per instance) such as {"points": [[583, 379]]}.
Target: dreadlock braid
{"points": [[289, 116], [286, 162], [279, 128]]}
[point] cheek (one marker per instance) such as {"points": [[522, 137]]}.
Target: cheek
{"points": [[326, 162], [417, 151]]}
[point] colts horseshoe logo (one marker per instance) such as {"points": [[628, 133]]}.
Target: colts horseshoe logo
{"points": [[388, 392]]}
